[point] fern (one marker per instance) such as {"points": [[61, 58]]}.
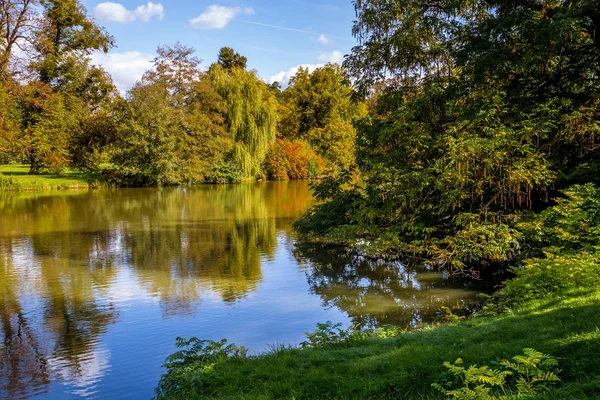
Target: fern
{"points": [[532, 372]]}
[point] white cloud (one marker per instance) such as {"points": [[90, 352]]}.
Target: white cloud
{"points": [[283, 77], [125, 68], [336, 57], [218, 17], [324, 40], [116, 12]]}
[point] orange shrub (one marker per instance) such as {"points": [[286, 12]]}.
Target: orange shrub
{"points": [[292, 160]]}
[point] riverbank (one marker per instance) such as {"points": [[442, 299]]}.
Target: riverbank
{"points": [[17, 178], [565, 325], [551, 305]]}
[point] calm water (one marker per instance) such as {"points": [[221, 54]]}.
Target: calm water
{"points": [[96, 286]]}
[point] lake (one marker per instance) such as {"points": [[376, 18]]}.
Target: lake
{"points": [[95, 286]]}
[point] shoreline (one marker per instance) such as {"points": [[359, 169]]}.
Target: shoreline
{"points": [[15, 178], [562, 323]]}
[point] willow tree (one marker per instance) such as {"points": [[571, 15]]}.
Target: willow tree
{"points": [[251, 115]]}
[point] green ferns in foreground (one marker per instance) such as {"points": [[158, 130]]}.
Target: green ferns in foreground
{"points": [[526, 374]]}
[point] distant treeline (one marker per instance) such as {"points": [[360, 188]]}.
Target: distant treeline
{"points": [[177, 125]]}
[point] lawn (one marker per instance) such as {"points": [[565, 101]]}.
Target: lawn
{"points": [[17, 178]]}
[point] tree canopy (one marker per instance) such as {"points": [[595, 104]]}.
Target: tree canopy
{"points": [[487, 108]]}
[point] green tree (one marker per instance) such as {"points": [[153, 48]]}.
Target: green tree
{"points": [[68, 90], [66, 34], [319, 107], [229, 59], [173, 128], [487, 109], [147, 146], [251, 116]]}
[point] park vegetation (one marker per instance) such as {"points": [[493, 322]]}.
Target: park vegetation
{"points": [[459, 134], [179, 124], [479, 150]]}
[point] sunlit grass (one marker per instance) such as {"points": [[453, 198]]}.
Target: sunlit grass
{"points": [[565, 326], [17, 178]]}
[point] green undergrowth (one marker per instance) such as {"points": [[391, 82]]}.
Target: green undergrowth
{"points": [[17, 178]]}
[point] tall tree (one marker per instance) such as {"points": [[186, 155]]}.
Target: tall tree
{"points": [[229, 59], [251, 115], [67, 86], [18, 21], [489, 107], [66, 35]]}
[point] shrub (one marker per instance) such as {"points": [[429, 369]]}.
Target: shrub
{"points": [[224, 172], [184, 367], [292, 160]]}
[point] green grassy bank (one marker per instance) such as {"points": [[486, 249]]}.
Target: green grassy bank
{"points": [[551, 305], [565, 325], [17, 178]]}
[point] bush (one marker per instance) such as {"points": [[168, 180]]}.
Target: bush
{"points": [[186, 365], [292, 160], [564, 241], [224, 172]]}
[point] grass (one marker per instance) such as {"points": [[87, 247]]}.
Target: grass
{"points": [[17, 178], [566, 326]]}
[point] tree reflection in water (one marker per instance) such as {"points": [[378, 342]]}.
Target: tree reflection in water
{"points": [[376, 293], [74, 267], [64, 258]]}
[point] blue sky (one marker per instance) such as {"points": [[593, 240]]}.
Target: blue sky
{"points": [[275, 36]]}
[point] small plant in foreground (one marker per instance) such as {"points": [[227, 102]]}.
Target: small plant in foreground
{"points": [[330, 334], [185, 367], [530, 373]]}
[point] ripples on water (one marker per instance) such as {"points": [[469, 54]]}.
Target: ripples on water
{"points": [[96, 286]]}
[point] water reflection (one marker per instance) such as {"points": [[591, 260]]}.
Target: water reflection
{"points": [[376, 293], [67, 257], [95, 286]]}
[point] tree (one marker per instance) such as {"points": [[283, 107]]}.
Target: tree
{"points": [[320, 109], [65, 86], [229, 59], [251, 116], [66, 35], [10, 122], [489, 107], [173, 128], [147, 147], [18, 21]]}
